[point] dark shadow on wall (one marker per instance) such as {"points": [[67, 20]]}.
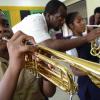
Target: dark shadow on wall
{"points": [[24, 13]]}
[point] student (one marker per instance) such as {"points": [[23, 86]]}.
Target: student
{"points": [[16, 82], [87, 89], [95, 19]]}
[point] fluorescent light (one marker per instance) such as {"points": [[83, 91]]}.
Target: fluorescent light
{"points": [[62, 0]]}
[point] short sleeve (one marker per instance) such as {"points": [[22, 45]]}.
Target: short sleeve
{"points": [[33, 25]]}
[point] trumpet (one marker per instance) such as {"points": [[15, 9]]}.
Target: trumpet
{"points": [[60, 75], [95, 44], [95, 47]]}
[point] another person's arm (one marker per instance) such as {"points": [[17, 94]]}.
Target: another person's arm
{"points": [[63, 45], [77, 72], [48, 88]]}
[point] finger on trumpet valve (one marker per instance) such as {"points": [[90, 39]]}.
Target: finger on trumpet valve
{"points": [[50, 67]]}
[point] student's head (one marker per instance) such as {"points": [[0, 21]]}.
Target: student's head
{"points": [[75, 23], [97, 15], [5, 31], [55, 13]]}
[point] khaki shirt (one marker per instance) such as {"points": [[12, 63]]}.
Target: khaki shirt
{"points": [[28, 85]]}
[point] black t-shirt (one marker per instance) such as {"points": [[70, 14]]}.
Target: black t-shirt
{"points": [[84, 53]]}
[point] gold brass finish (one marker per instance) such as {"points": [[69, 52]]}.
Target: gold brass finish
{"points": [[95, 44], [60, 74], [95, 47]]}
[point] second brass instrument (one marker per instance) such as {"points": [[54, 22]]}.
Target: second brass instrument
{"points": [[95, 47], [60, 75], [95, 44]]}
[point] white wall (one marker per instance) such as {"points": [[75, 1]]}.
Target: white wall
{"points": [[23, 2], [69, 2], [91, 5], [79, 7]]}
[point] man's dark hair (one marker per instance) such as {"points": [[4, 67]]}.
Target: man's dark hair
{"points": [[70, 18], [97, 10], [53, 6]]}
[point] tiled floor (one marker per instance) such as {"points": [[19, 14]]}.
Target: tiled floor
{"points": [[60, 95]]}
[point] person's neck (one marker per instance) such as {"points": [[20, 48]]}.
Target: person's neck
{"points": [[77, 34]]}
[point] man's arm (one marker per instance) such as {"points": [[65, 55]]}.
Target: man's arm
{"points": [[63, 45]]}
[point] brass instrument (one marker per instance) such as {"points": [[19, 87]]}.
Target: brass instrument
{"points": [[60, 74], [95, 47], [95, 44]]}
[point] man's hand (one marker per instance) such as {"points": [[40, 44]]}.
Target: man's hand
{"points": [[93, 34], [17, 49]]}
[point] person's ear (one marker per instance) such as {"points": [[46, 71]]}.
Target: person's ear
{"points": [[48, 16], [71, 26]]}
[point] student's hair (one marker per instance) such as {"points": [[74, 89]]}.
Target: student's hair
{"points": [[96, 10], [53, 6], [71, 17]]}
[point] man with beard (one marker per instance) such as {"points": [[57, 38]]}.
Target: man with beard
{"points": [[40, 25]]}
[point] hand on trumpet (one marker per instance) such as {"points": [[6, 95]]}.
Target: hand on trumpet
{"points": [[17, 49], [93, 34]]}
